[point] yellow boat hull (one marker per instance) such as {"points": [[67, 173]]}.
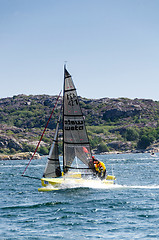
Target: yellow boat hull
{"points": [[51, 184], [45, 189]]}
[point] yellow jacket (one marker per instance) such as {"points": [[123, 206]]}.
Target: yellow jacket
{"points": [[99, 167]]}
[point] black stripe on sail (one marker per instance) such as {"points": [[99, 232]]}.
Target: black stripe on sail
{"points": [[72, 89], [66, 115], [68, 76], [76, 168], [77, 143], [54, 160]]}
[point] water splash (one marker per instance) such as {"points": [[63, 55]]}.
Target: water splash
{"points": [[93, 184]]}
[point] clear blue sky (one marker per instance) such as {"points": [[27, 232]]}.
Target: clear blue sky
{"points": [[111, 47]]}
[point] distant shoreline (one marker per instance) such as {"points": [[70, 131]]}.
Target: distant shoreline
{"points": [[28, 155], [19, 156]]}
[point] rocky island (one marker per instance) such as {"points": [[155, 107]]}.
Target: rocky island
{"points": [[113, 125]]}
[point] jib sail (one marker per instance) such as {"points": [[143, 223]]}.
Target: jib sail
{"points": [[53, 165]]}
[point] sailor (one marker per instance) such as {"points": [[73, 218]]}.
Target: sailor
{"points": [[100, 168]]}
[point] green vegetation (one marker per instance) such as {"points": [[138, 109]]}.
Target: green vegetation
{"points": [[28, 148], [133, 124], [131, 134], [147, 136], [43, 150], [102, 147]]}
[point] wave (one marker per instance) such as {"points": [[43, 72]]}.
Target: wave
{"points": [[144, 187], [32, 206], [100, 185]]}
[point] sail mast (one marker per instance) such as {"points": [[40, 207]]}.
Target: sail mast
{"points": [[63, 116]]}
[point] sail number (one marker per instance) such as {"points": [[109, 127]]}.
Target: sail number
{"points": [[72, 99], [74, 125]]}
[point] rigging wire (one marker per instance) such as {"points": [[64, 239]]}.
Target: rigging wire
{"points": [[42, 134]]}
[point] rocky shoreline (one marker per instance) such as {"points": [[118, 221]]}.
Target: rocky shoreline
{"points": [[19, 156], [119, 125], [28, 155]]}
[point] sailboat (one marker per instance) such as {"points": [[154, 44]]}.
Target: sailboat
{"points": [[77, 157]]}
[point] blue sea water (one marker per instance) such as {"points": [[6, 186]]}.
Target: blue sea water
{"points": [[127, 210]]}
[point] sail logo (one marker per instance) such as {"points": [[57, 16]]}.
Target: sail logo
{"points": [[72, 99], [74, 125]]}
